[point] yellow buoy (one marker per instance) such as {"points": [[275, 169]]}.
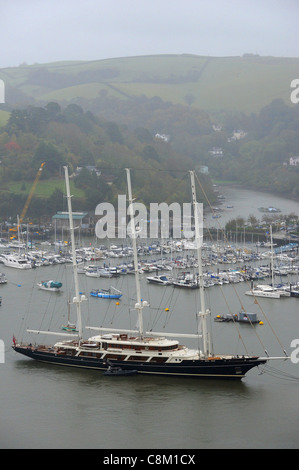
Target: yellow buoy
{"points": [[167, 309], [261, 323], [117, 303]]}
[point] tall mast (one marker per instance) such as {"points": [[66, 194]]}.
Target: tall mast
{"points": [[77, 299], [272, 256], [139, 304], [203, 312]]}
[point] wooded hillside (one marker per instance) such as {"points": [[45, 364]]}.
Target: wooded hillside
{"points": [[159, 115]]}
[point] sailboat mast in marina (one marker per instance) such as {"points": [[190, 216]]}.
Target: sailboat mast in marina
{"points": [[77, 299], [139, 304], [140, 351], [198, 240]]}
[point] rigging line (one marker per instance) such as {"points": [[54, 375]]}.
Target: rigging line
{"points": [[33, 288], [208, 201], [53, 309], [55, 301], [225, 238], [116, 307], [167, 316], [176, 183], [55, 298], [158, 170], [150, 321], [104, 318], [206, 197], [251, 324], [268, 321], [116, 311], [158, 308], [221, 289], [46, 311], [174, 295], [105, 311], [156, 317], [27, 313], [234, 322], [277, 373]]}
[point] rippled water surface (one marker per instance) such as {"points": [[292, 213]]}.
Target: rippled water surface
{"points": [[45, 406]]}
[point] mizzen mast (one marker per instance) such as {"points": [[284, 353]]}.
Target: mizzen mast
{"points": [[198, 242], [139, 304], [77, 299]]}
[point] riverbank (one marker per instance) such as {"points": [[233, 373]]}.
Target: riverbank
{"points": [[238, 202], [239, 186]]}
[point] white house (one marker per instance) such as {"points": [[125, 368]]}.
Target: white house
{"points": [[294, 161], [164, 137], [237, 135], [216, 152]]}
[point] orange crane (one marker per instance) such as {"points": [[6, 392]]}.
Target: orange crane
{"points": [[15, 229]]}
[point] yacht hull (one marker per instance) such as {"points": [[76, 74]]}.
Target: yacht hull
{"points": [[217, 368]]}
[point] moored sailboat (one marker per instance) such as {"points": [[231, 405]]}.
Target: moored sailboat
{"points": [[266, 290], [70, 327], [139, 350], [3, 279], [50, 286], [111, 293]]}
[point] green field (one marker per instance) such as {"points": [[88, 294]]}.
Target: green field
{"points": [[245, 83], [4, 116], [44, 188]]}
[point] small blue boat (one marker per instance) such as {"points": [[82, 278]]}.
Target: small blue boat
{"points": [[106, 293]]}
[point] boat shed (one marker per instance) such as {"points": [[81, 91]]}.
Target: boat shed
{"points": [[61, 220]]}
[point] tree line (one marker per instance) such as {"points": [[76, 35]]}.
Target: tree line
{"points": [[96, 150], [111, 133]]}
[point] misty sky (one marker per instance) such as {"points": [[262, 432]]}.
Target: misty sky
{"points": [[41, 31]]}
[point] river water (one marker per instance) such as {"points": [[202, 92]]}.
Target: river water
{"points": [[245, 203], [44, 406]]}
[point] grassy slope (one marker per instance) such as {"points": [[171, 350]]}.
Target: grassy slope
{"points": [[245, 84], [241, 83], [4, 116], [44, 188]]}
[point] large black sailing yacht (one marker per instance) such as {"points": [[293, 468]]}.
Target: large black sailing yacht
{"points": [[144, 352]]}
